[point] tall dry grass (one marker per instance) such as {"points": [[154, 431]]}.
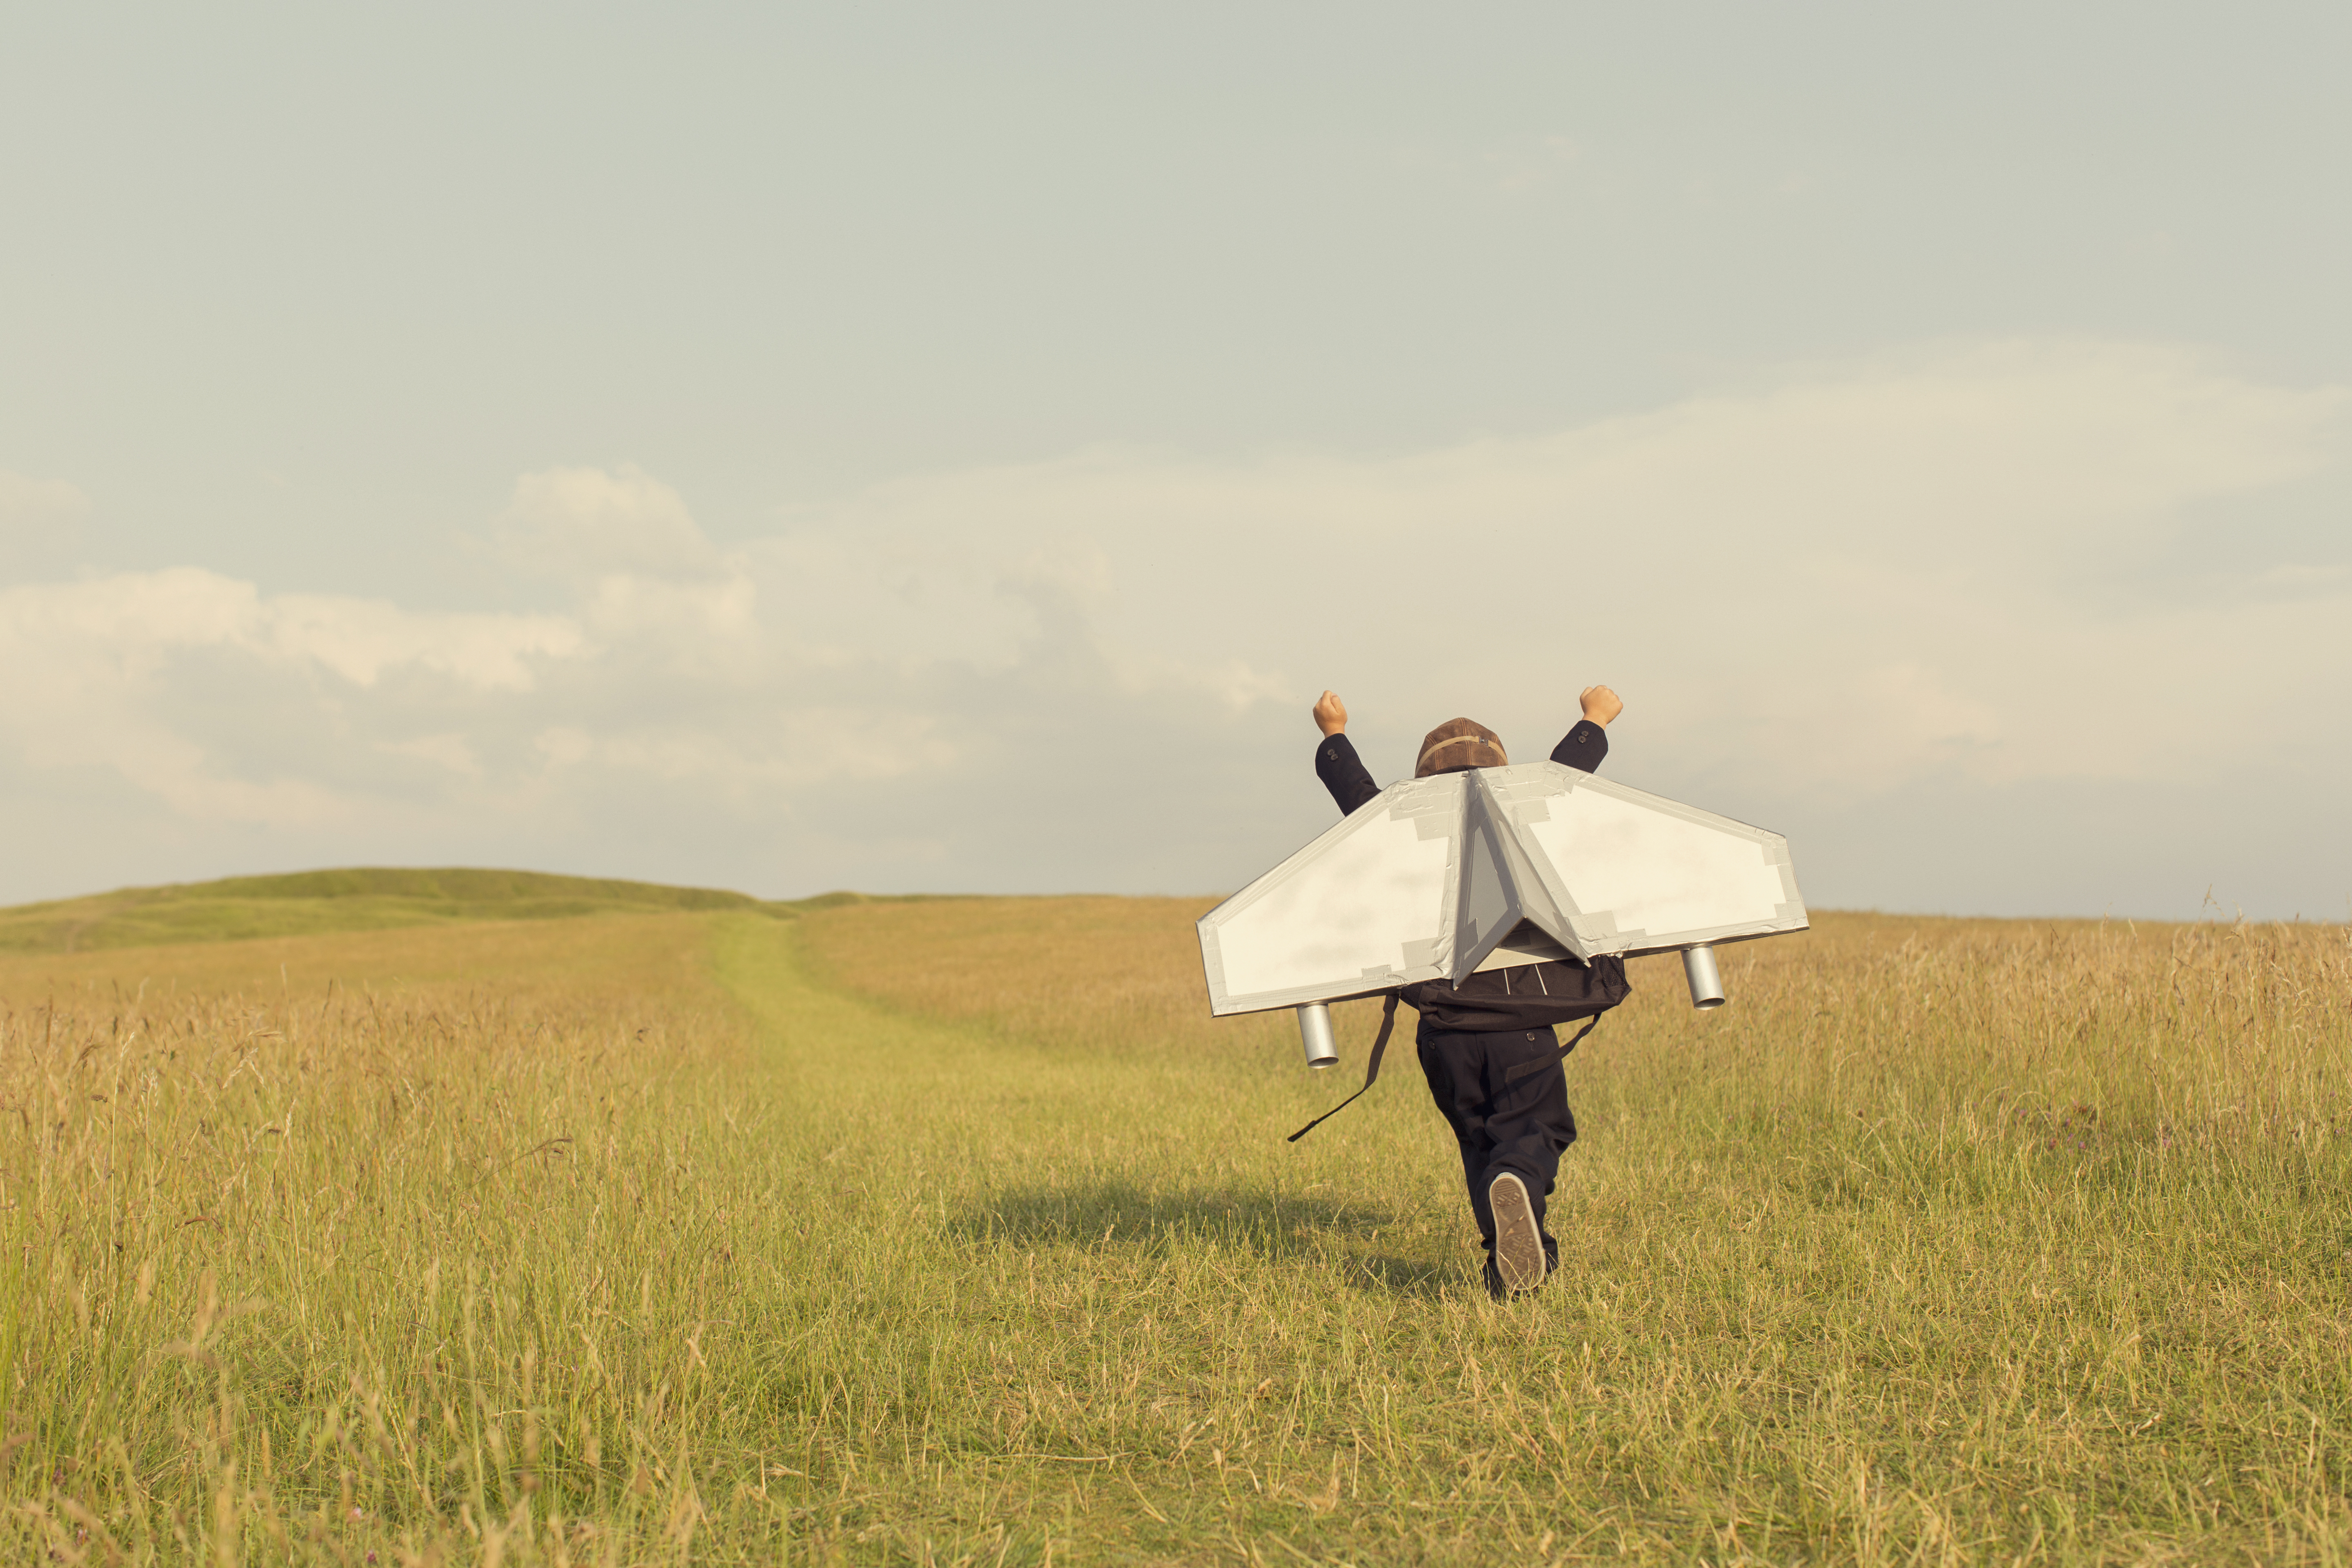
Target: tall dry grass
{"points": [[367, 1248], [2087, 1031], [957, 1232], [1948, 1240]]}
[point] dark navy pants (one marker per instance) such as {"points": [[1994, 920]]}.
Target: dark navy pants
{"points": [[1505, 1096]]}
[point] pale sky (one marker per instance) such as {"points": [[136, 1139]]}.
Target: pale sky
{"points": [[948, 448]]}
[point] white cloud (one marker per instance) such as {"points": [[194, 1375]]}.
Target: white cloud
{"points": [[1768, 572], [361, 639], [448, 750], [582, 524], [96, 671], [130, 624], [31, 502], [1959, 569]]}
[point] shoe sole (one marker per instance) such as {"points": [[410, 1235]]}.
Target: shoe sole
{"points": [[1518, 1246]]}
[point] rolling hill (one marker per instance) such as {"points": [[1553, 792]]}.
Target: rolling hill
{"points": [[358, 899]]}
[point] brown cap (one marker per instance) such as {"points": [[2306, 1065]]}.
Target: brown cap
{"points": [[1456, 745]]}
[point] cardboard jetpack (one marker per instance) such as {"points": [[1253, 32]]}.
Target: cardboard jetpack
{"points": [[1440, 877]]}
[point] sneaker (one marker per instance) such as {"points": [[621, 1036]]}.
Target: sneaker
{"points": [[1518, 1246]]}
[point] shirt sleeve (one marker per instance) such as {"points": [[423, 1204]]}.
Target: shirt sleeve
{"points": [[1583, 747], [1337, 765]]}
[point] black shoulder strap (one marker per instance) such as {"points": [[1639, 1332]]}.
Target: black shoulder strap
{"points": [[1380, 1044], [1371, 1070], [1589, 1024]]}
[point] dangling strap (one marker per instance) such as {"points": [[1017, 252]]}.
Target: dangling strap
{"points": [[1590, 1025], [1380, 1044], [1371, 1070]]}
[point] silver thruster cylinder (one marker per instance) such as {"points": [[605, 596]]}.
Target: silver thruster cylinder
{"points": [[1705, 980], [1315, 1031]]}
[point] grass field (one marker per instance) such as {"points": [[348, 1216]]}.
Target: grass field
{"points": [[365, 899], [956, 1232]]}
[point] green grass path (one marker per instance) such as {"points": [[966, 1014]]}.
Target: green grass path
{"points": [[1086, 1301], [1088, 1297]]}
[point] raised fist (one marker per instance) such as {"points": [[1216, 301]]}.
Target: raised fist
{"points": [[1331, 714], [1600, 705]]}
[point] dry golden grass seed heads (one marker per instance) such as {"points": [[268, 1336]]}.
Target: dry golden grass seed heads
{"points": [[957, 1231]]}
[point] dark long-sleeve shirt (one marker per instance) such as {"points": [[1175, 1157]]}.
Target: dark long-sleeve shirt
{"points": [[1350, 782], [1527, 996]]}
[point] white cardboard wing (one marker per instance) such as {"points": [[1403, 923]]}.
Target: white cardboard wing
{"points": [[1434, 878]]}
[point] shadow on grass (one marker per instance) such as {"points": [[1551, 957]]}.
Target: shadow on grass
{"points": [[1128, 1217], [1121, 1214], [1392, 1275]]}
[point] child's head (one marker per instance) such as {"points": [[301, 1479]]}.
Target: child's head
{"points": [[1459, 744]]}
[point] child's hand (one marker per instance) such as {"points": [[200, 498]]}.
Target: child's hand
{"points": [[1331, 714]]}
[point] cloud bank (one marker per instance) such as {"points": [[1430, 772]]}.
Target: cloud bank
{"points": [[2037, 626]]}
